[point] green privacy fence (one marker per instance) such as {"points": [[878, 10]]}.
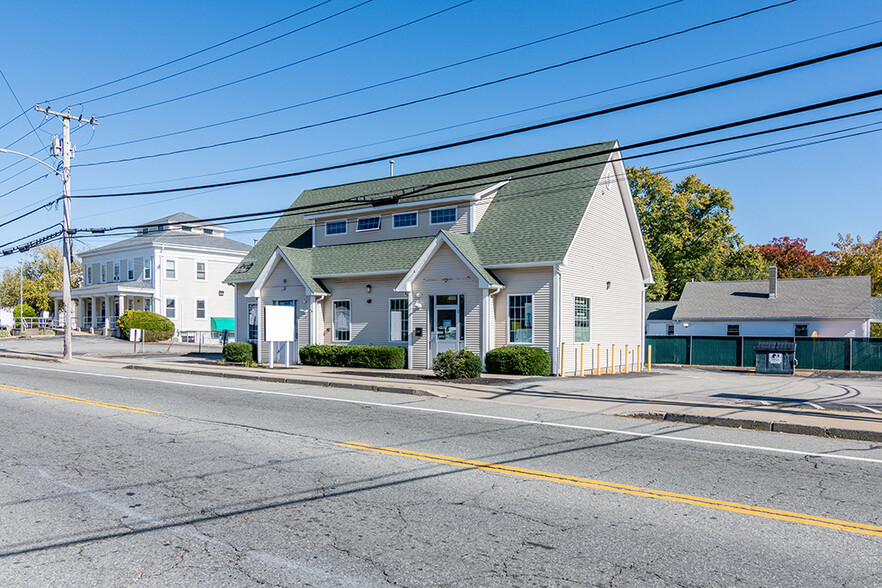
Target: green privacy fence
{"points": [[816, 353]]}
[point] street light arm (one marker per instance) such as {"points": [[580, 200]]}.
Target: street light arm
{"points": [[44, 164]]}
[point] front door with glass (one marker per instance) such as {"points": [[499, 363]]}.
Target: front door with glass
{"points": [[447, 332]]}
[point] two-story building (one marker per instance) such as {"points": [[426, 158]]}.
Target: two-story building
{"points": [[542, 250], [173, 266]]}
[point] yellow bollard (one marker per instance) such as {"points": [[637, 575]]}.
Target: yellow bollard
{"points": [[613, 358], [582, 360], [597, 360], [649, 358], [626, 359], [639, 367]]}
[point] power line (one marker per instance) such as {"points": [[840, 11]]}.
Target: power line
{"points": [[229, 55], [30, 212], [31, 244], [24, 185], [189, 55], [20, 107], [557, 122], [438, 96], [293, 63], [346, 203], [392, 81], [32, 234], [463, 124]]}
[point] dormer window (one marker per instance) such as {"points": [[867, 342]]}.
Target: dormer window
{"points": [[368, 223], [441, 216], [208, 231], [335, 227]]}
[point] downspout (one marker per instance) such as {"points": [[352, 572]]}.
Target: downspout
{"points": [[489, 325], [555, 320], [643, 333], [313, 318]]}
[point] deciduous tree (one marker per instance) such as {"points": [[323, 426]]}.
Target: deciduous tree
{"points": [[853, 257], [793, 258], [41, 275], [688, 228]]}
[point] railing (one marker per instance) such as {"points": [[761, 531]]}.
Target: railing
{"points": [[32, 322]]}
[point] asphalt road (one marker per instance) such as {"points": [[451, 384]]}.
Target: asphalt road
{"points": [[116, 478]]}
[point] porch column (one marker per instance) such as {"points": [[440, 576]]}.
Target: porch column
{"points": [[81, 312], [96, 305], [107, 315], [55, 305], [122, 304]]}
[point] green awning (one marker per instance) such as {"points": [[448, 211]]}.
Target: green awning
{"points": [[223, 324]]}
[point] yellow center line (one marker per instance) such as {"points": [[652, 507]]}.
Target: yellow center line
{"points": [[80, 400], [769, 513]]}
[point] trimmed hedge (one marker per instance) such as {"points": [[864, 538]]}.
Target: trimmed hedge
{"points": [[240, 352], [363, 356], [155, 327], [450, 365], [519, 361]]}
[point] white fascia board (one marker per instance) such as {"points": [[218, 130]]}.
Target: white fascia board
{"points": [[358, 275], [388, 207], [156, 245], [264, 275], [526, 264], [631, 212], [420, 264], [492, 189]]}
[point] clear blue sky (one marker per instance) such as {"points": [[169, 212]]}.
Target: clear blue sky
{"points": [[815, 191]]}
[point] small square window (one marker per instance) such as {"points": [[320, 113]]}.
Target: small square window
{"points": [[405, 219], [443, 216], [800, 330], [368, 223], [335, 227], [733, 330]]}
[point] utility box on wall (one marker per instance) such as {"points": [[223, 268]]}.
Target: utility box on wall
{"points": [[775, 357]]}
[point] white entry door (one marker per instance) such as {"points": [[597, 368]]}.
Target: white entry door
{"points": [[278, 347]]}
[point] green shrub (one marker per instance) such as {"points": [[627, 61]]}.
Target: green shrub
{"points": [[452, 364], [155, 327], [4, 333], [518, 360], [361, 356], [240, 352], [22, 310]]}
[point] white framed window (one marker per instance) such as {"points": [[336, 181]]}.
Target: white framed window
{"points": [[520, 318], [116, 271], [398, 319], [148, 268], [200, 308], [441, 216], [252, 322], [582, 319], [200, 270], [103, 273], [171, 305], [367, 223], [733, 330], [89, 275], [800, 330], [336, 227], [171, 271], [130, 270], [342, 318], [405, 219], [147, 304]]}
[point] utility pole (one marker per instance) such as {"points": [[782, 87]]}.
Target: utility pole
{"points": [[66, 154]]}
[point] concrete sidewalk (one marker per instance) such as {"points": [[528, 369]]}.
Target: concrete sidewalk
{"points": [[620, 395], [522, 391]]}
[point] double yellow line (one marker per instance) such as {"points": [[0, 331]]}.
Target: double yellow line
{"points": [[746, 509], [79, 400]]}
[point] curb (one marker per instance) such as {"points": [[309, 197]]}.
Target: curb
{"points": [[774, 426], [31, 357], [287, 380]]}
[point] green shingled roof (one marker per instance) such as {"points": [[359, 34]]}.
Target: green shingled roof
{"points": [[533, 218]]}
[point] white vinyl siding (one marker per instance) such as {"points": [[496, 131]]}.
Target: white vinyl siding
{"points": [[603, 250], [533, 281]]}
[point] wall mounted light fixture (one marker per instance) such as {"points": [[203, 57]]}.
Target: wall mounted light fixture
{"points": [[368, 288]]}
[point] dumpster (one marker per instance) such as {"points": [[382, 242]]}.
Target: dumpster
{"points": [[775, 357]]}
